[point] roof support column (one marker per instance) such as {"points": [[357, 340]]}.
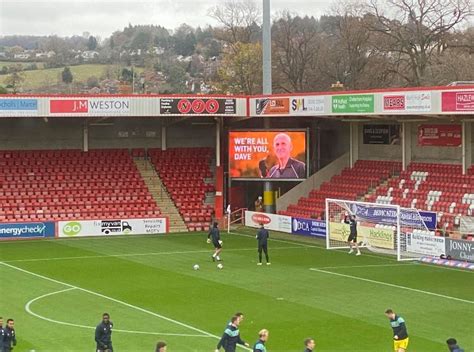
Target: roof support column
{"points": [[354, 142], [163, 137], [85, 136], [406, 144], [466, 146]]}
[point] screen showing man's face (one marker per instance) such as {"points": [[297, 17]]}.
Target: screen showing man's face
{"points": [[282, 146]]}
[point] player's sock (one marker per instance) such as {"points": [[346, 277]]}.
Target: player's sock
{"points": [[214, 255], [358, 253], [218, 258], [351, 251]]}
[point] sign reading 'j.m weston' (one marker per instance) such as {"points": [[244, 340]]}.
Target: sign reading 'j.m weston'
{"points": [[90, 105]]}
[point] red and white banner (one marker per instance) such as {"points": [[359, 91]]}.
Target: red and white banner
{"points": [[274, 222], [457, 101], [440, 135], [407, 102], [90, 106]]}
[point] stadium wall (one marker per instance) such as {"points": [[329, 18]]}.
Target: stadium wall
{"points": [[418, 153], [35, 133], [67, 133], [313, 182]]}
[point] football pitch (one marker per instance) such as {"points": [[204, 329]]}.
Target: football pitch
{"points": [[57, 290]]}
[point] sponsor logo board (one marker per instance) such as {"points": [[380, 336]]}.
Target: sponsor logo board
{"points": [[27, 230], [112, 227], [308, 227], [90, 106], [425, 244], [382, 238], [274, 222], [193, 106]]}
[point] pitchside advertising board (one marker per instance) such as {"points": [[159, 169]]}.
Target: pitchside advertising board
{"points": [[308, 227], [27, 230], [388, 216], [274, 222], [283, 223], [460, 250], [426, 244], [112, 227], [382, 238]]}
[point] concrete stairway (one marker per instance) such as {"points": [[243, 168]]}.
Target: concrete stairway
{"points": [[160, 195]]}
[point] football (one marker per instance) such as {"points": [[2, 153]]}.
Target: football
{"points": [[196, 267], [220, 266]]}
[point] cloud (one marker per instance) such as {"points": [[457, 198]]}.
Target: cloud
{"points": [[103, 17]]}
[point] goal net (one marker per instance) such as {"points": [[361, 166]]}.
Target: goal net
{"points": [[381, 228]]}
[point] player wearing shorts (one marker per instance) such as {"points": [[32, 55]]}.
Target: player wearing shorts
{"points": [[400, 334], [352, 240], [215, 237]]}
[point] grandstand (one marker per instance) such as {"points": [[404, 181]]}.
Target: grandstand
{"points": [[162, 165], [51, 185]]}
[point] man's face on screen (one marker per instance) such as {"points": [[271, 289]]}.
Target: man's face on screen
{"points": [[282, 146]]}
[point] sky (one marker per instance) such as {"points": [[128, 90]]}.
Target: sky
{"points": [[103, 17]]}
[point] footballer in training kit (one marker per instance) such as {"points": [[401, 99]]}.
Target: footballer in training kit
{"points": [[214, 236], [400, 334]]}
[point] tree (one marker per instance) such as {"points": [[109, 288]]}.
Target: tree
{"points": [[15, 79], [240, 71], [414, 31], [92, 43], [184, 40], [240, 20], [66, 75], [296, 42]]}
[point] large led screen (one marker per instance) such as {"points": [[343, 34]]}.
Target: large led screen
{"points": [[265, 155]]}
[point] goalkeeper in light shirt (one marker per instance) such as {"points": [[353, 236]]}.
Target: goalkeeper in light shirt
{"points": [[400, 334]]}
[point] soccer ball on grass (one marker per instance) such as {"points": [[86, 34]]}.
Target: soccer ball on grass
{"points": [[196, 267], [220, 266]]}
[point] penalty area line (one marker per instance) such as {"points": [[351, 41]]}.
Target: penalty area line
{"points": [[30, 311], [177, 322], [393, 285]]}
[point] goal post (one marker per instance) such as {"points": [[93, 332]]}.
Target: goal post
{"points": [[381, 228]]}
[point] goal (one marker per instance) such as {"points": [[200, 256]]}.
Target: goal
{"points": [[381, 228]]}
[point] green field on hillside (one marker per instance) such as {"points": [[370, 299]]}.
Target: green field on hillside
{"points": [[45, 77], [57, 290]]}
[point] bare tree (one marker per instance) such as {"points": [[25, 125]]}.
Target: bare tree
{"points": [[296, 44], [415, 30], [240, 20]]}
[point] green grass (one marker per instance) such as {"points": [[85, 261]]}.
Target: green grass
{"points": [[147, 285], [45, 77]]}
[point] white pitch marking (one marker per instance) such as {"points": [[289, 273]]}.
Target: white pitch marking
{"points": [[393, 285], [28, 309], [118, 301], [134, 255], [361, 266]]}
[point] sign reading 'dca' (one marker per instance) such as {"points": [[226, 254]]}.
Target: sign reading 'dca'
{"points": [[186, 106], [90, 106]]}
